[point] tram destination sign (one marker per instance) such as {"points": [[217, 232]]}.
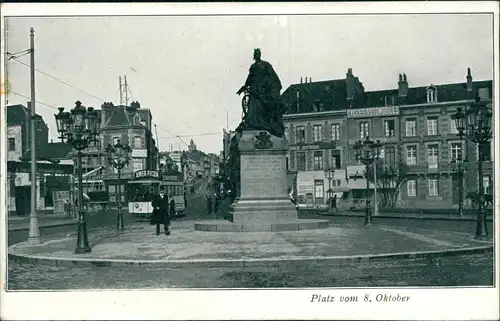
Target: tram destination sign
{"points": [[147, 173], [171, 177], [373, 112]]}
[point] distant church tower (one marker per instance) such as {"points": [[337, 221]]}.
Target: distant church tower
{"points": [[192, 146]]}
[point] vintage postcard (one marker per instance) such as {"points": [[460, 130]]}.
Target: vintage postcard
{"points": [[249, 161]]}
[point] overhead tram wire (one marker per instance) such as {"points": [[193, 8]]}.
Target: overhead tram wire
{"points": [[41, 103], [59, 80], [177, 136]]}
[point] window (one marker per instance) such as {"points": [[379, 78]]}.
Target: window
{"points": [[318, 191], [432, 128], [484, 93], [144, 123], [335, 159], [389, 100], [363, 130], [286, 133], [456, 151], [317, 133], [411, 155], [137, 142], [486, 152], [431, 94], [411, 187], [116, 140], [300, 135], [433, 187], [301, 161], [137, 163], [411, 127], [12, 144], [389, 128], [453, 127], [487, 185], [390, 155], [336, 182], [137, 119], [318, 160], [432, 156], [335, 132]]}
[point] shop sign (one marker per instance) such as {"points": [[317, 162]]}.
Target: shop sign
{"points": [[373, 112], [355, 170], [139, 153], [147, 173]]}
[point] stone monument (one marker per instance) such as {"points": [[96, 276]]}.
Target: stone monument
{"points": [[263, 203]]}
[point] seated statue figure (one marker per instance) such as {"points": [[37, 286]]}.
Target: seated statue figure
{"points": [[263, 109]]}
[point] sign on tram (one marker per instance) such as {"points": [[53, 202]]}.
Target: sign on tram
{"points": [[147, 173]]}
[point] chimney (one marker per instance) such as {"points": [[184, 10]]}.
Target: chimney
{"points": [[310, 79], [469, 80], [298, 101], [350, 84], [402, 85], [300, 79]]}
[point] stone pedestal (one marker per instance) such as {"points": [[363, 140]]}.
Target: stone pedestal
{"points": [[263, 204]]}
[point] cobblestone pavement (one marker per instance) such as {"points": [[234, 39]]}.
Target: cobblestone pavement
{"points": [[447, 271]]}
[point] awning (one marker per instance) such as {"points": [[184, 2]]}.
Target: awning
{"points": [[57, 182], [359, 183]]}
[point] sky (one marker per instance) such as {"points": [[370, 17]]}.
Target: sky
{"points": [[187, 69]]}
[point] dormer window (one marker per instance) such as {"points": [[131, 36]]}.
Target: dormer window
{"points": [[389, 100], [137, 119], [431, 94]]}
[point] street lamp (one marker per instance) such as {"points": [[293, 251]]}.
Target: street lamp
{"points": [[475, 123], [119, 157], [79, 128], [367, 152], [329, 173], [459, 169]]}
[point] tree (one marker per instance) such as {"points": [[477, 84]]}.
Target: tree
{"points": [[390, 178]]}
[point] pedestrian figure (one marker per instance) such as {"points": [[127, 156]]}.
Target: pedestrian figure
{"points": [[334, 203], [160, 213], [216, 203], [172, 206], [192, 190], [209, 203]]}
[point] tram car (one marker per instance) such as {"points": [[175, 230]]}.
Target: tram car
{"points": [[173, 186], [141, 191]]}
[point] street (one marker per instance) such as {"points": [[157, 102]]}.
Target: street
{"points": [[463, 270]]}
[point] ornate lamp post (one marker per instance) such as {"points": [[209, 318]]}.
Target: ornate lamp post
{"points": [[475, 123], [79, 128], [459, 169], [367, 152], [119, 157], [329, 173]]}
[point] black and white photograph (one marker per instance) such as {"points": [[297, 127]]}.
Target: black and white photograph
{"points": [[251, 161]]}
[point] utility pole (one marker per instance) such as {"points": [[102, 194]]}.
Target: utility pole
{"points": [[34, 231]]}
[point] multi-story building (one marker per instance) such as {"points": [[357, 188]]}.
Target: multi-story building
{"points": [[413, 124], [53, 163], [130, 125]]}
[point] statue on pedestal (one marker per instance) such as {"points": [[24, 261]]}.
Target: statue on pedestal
{"points": [[262, 105]]}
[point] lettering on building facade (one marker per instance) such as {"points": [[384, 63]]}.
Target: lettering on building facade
{"points": [[373, 112]]}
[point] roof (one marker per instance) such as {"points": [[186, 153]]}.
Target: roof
{"points": [[50, 151], [330, 93], [196, 155], [418, 95], [18, 114]]}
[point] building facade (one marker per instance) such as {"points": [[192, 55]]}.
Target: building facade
{"points": [[130, 125], [414, 125]]}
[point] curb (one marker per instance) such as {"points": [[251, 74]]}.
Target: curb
{"points": [[242, 263], [436, 218], [17, 229]]}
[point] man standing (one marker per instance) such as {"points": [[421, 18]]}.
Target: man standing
{"points": [[209, 202], [160, 213]]}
